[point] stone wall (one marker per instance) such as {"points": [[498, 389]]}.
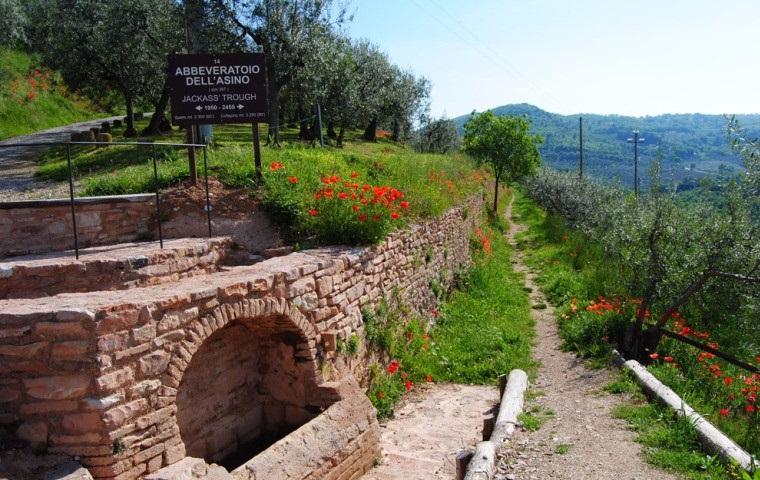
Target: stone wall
{"points": [[101, 375], [37, 226]]}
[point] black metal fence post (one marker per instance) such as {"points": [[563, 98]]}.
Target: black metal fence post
{"points": [[71, 198], [208, 199], [158, 196]]}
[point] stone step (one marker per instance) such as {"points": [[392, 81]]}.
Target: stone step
{"points": [[116, 267]]}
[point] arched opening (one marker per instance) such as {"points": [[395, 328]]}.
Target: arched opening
{"points": [[246, 387]]}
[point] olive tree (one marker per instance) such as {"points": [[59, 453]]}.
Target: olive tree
{"points": [[13, 23], [505, 144], [437, 136]]}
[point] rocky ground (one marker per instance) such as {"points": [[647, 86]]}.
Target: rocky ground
{"points": [[433, 425]]}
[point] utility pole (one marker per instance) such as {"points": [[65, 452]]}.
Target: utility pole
{"points": [[580, 163], [635, 141]]}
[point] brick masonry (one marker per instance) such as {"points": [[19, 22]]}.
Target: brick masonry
{"points": [[37, 226], [117, 377]]}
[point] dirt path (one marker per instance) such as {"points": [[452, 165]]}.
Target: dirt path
{"points": [[433, 425], [581, 439], [17, 165]]}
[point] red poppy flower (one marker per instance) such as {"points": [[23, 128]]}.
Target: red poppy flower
{"points": [[395, 215], [313, 212], [354, 175], [724, 412], [343, 195], [668, 359], [728, 380], [293, 180], [404, 204], [276, 166], [355, 207], [408, 385], [392, 367], [328, 193], [750, 409], [654, 356], [363, 217]]}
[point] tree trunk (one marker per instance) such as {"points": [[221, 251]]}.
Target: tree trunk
{"points": [[370, 133], [496, 196], [396, 135], [130, 130], [303, 126], [273, 127], [154, 127], [339, 139], [331, 131]]}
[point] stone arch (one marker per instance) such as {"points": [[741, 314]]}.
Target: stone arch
{"points": [[245, 376]]}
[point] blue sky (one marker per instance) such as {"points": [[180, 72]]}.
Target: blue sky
{"points": [[641, 57]]}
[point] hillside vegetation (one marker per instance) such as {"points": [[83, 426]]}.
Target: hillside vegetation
{"points": [[354, 194], [34, 98], [693, 146]]}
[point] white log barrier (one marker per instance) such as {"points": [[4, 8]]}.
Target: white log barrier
{"points": [[483, 462], [511, 406], [714, 440]]}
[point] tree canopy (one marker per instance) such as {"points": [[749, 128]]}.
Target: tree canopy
{"points": [[503, 143]]}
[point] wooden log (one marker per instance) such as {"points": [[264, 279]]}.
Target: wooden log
{"points": [[712, 439], [482, 463], [511, 406], [462, 461]]}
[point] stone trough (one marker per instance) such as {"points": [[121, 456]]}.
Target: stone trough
{"points": [[229, 371]]}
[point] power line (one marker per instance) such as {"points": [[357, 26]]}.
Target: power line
{"points": [[484, 49]]}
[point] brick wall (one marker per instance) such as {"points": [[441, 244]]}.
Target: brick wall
{"points": [[38, 226], [98, 375]]}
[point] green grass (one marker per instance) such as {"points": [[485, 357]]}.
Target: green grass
{"points": [[484, 329], [573, 271], [34, 98], [670, 443], [430, 183], [535, 418]]}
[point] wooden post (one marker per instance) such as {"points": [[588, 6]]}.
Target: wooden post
{"points": [[462, 460], [488, 424], [319, 126], [257, 152]]}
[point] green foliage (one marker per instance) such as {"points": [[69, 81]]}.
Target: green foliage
{"points": [[693, 146], [437, 136], [504, 144], [694, 259], [13, 23], [535, 418], [575, 271], [430, 183], [671, 442]]}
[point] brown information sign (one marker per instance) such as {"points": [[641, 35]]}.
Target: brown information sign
{"points": [[223, 88]]}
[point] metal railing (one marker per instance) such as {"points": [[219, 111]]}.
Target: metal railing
{"points": [[154, 159]]}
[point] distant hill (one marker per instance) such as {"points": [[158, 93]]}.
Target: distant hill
{"points": [[693, 146]]}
